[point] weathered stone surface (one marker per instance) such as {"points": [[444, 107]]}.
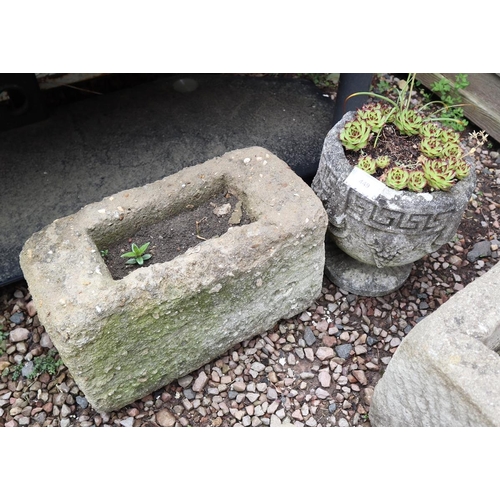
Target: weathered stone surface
{"points": [[122, 339], [446, 372], [360, 278]]}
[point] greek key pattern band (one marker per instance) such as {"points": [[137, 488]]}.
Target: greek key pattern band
{"points": [[365, 210]]}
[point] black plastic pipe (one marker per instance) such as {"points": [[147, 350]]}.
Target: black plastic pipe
{"points": [[349, 83]]}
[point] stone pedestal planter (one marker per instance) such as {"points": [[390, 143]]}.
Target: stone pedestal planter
{"points": [[376, 232], [122, 339], [446, 372]]}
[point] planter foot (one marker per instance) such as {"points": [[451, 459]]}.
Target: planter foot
{"points": [[359, 278]]}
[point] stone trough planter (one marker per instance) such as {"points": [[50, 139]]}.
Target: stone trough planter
{"points": [[123, 339], [446, 372]]}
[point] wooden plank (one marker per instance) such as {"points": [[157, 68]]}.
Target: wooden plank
{"points": [[482, 96], [51, 80]]}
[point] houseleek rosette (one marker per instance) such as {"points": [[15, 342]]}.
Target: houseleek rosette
{"points": [[449, 136], [408, 122], [431, 147], [382, 161], [438, 174], [355, 135], [367, 164], [397, 178], [416, 181], [460, 167], [375, 115], [430, 129], [452, 150]]}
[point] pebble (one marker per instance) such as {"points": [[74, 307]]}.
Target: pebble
{"points": [[258, 367], [325, 379], [360, 376], [200, 382], [186, 381], [309, 337], [82, 402], [480, 249], [45, 341], [17, 318], [127, 422], [324, 353], [31, 309], [343, 350], [165, 418], [321, 393], [19, 334]]}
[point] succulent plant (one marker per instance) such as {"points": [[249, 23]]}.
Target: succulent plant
{"points": [[430, 129], [408, 122], [441, 163], [452, 150], [397, 178], [137, 255], [375, 115], [367, 163], [416, 181], [460, 166], [431, 147], [449, 136], [438, 175], [382, 161], [355, 135]]}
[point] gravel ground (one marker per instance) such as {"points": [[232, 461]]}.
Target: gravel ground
{"points": [[317, 369]]}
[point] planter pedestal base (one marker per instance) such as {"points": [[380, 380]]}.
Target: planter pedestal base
{"points": [[359, 278]]}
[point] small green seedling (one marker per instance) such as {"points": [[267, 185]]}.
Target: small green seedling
{"points": [[137, 255], [104, 253]]}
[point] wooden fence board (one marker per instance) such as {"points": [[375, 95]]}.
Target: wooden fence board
{"points": [[482, 96]]}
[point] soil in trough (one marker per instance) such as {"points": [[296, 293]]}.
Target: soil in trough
{"points": [[173, 236]]}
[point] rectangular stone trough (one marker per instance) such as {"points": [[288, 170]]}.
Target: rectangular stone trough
{"points": [[446, 372], [123, 339]]}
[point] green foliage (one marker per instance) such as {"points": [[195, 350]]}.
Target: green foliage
{"points": [[382, 161], [45, 364], [397, 178], [416, 181], [438, 175], [355, 135], [367, 163], [16, 372], [448, 93], [41, 364], [3, 340], [384, 87], [321, 80], [137, 255], [374, 115], [104, 253], [437, 141]]}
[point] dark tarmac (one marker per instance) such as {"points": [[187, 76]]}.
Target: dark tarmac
{"points": [[92, 148]]}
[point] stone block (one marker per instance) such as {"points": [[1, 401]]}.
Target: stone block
{"points": [[123, 339], [446, 372]]}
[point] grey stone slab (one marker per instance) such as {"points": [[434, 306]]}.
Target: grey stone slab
{"points": [[446, 372], [93, 148], [123, 339]]}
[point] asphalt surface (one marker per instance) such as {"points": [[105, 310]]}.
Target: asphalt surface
{"points": [[89, 149]]}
